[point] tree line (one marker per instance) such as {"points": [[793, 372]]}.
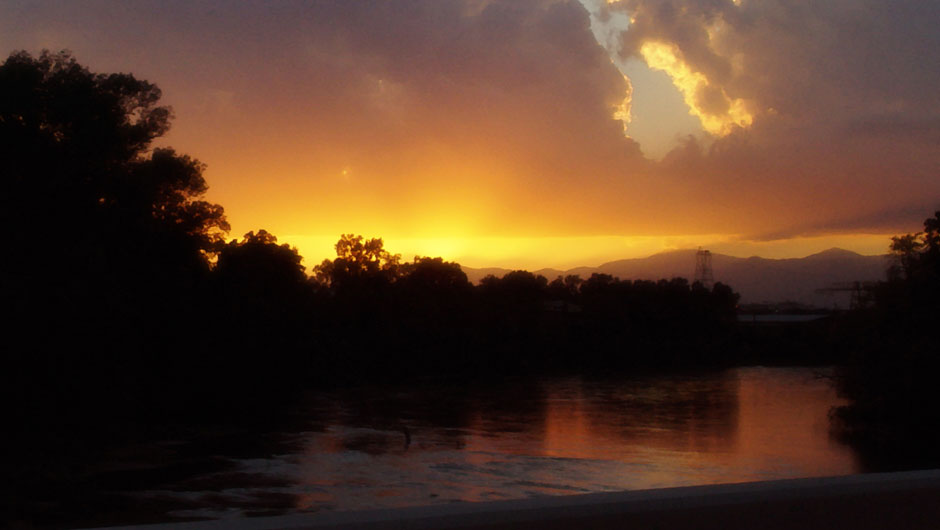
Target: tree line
{"points": [[127, 295]]}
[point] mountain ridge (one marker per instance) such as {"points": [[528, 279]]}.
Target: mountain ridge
{"points": [[757, 279]]}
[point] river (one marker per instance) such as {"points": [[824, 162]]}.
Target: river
{"points": [[400, 445], [395, 446]]}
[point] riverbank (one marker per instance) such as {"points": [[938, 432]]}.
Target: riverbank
{"points": [[859, 502]]}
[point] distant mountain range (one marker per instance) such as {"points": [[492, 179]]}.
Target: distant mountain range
{"points": [[757, 279]]}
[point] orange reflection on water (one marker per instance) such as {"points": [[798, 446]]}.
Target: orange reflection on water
{"points": [[787, 430], [568, 431], [746, 424], [572, 435]]}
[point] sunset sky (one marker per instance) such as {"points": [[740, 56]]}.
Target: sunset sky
{"points": [[534, 133]]}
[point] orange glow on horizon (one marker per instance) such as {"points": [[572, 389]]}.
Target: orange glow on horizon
{"points": [[535, 253]]}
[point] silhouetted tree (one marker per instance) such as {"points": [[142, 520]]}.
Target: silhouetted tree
{"points": [[356, 260], [267, 315], [905, 253], [74, 147], [259, 264], [522, 290], [433, 308], [434, 274], [261, 285], [891, 375], [361, 307], [111, 243], [433, 289], [565, 288]]}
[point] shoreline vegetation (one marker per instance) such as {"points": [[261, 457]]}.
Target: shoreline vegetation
{"points": [[131, 307], [892, 358]]}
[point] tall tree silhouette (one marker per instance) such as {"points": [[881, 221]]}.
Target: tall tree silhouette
{"points": [[76, 160], [111, 240]]}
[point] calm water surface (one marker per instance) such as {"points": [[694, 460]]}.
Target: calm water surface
{"points": [[402, 447]]}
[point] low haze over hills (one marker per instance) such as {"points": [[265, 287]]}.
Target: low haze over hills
{"points": [[756, 279]]}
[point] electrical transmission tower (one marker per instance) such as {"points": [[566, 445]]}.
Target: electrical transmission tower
{"points": [[862, 292], [703, 268]]}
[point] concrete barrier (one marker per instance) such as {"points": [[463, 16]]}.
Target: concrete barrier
{"points": [[903, 501]]}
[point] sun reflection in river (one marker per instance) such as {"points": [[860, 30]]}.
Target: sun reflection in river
{"points": [[573, 435]]}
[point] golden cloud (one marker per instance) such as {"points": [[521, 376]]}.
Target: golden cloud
{"points": [[719, 114]]}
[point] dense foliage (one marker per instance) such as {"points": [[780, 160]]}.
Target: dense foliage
{"points": [[109, 251], [895, 357]]}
